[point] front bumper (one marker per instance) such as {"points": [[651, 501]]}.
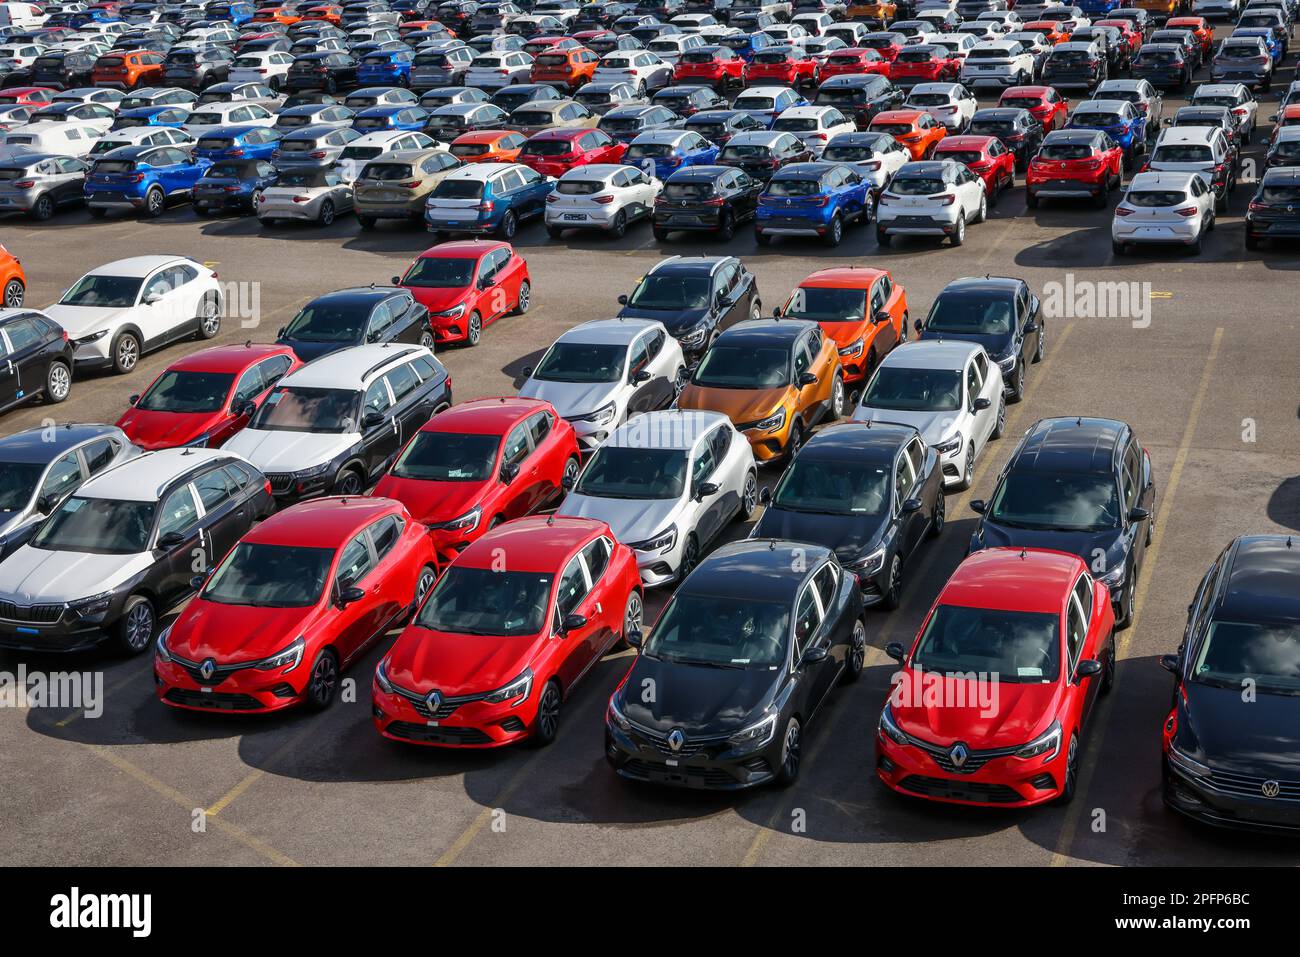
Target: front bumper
{"points": [[53, 627], [704, 764], [247, 690], [1225, 801], [472, 724], [999, 781]]}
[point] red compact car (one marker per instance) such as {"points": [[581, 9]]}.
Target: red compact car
{"points": [[1044, 104], [1073, 164], [26, 96], [990, 705], [482, 463], [790, 66], [297, 599], [983, 155], [1131, 33], [555, 152], [718, 66], [924, 63], [886, 42], [1051, 30], [521, 616], [852, 62], [206, 397], [468, 284]]}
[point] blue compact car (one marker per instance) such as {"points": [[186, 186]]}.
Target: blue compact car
{"points": [[1120, 119], [231, 185], [238, 142], [173, 116], [745, 45], [375, 119], [142, 179], [812, 199], [663, 152], [487, 198], [380, 67]]}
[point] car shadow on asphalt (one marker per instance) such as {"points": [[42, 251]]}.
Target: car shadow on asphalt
{"points": [[1284, 504]]}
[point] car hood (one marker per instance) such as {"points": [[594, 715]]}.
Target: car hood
{"points": [[1087, 545], [432, 502], [994, 345], [233, 633], [696, 698], [424, 660], [631, 520], [741, 405], [676, 321], [82, 320], [1261, 738], [437, 300], [38, 575], [849, 536], [289, 451], [933, 426], [570, 398], [166, 430], [1016, 713]]}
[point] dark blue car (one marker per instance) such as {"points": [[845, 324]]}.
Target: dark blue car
{"points": [[173, 116], [487, 198], [812, 199], [142, 179], [238, 142], [377, 118], [663, 152], [232, 185]]}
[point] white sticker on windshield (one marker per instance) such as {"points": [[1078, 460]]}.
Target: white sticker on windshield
{"points": [[740, 661], [1029, 672]]}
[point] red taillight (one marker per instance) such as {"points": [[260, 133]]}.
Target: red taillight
{"points": [[25, 184], [1255, 207], [408, 184], [1122, 211], [715, 202], [552, 198], [604, 200], [1187, 211], [486, 206], [235, 153], [318, 154], [135, 178], [947, 199], [872, 166], [302, 199]]}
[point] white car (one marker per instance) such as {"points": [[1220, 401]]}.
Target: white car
{"points": [[492, 71], [950, 391], [815, 126], [1163, 208], [213, 116], [123, 309], [815, 24], [601, 196], [876, 156], [67, 138], [640, 68], [668, 483], [142, 136], [958, 45], [90, 94], [22, 55], [851, 32], [786, 34], [1210, 9], [931, 198], [999, 63], [1197, 149], [261, 66], [600, 374], [372, 146], [950, 103], [671, 46], [1238, 98]]}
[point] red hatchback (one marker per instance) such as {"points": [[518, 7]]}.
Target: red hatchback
{"points": [[887, 43], [482, 463], [468, 284], [1074, 164], [984, 156], [297, 599], [853, 62], [555, 152], [1131, 33], [925, 63], [206, 397], [790, 66], [26, 96], [718, 66], [521, 616], [990, 705], [1044, 104]]}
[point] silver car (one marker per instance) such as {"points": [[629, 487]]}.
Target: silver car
{"points": [[334, 115], [600, 98], [38, 184], [312, 147], [441, 63], [311, 195], [668, 483]]}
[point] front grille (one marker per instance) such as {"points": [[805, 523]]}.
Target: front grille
{"points": [[41, 614], [707, 777], [226, 702], [422, 732], [960, 790], [281, 482], [420, 702], [1249, 785], [974, 761], [692, 745]]}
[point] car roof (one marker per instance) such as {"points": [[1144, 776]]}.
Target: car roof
{"points": [[609, 331], [857, 441], [965, 141], [137, 266], [842, 277], [1015, 579], [143, 479], [231, 358], [932, 354], [695, 265], [985, 285], [491, 416], [354, 367], [1259, 581], [666, 429], [1070, 444], [758, 332], [756, 569], [534, 544], [322, 522], [41, 444], [1185, 134], [1167, 180], [1280, 173], [462, 247]]}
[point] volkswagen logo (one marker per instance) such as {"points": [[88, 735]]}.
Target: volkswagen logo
{"points": [[208, 669], [1270, 789], [676, 738], [433, 700], [958, 755]]}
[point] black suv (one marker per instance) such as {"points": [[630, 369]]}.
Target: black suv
{"points": [[35, 358], [713, 199], [354, 317]]}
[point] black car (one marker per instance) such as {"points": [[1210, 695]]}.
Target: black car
{"points": [[688, 99], [309, 98], [1163, 65], [1198, 115], [1274, 210], [695, 297], [1079, 485], [1118, 53], [62, 70], [870, 492], [741, 660], [1232, 759], [35, 358], [1185, 39], [197, 69], [762, 153], [510, 98], [455, 15], [719, 126], [1001, 314], [1075, 64], [713, 199], [860, 97], [1014, 127], [353, 317], [330, 71]]}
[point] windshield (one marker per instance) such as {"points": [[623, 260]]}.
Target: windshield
{"points": [[1265, 653], [753, 103], [1015, 646], [177, 391], [322, 322], [308, 410], [103, 292], [270, 576], [743, 367], [914, 390], [448, 457], [704, 629], [827, 304], [667, 291], [99, 525], [481, 601], [834, 488], [1067, 502], [971, 315], [636, 473], [581, 362], [440, 273], [17, 483]]}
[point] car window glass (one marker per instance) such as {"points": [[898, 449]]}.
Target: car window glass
{"points": [[539, 426], [403, 382], [596, 555], [571, 590], [384, 534], [250, 386], [826, 581], [807, 618], [99, 455], [214, 488], [64, 475], [179, 513], [516, 447], [23, 334], [1076, 628], [354, 564], [377, 398]]}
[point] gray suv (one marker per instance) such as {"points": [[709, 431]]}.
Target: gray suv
{"points": [[312, 147], [38, 184]]}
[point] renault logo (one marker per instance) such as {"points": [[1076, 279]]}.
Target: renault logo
{"points": [[958, 754], [433, 701], [676, 738], [208, 669], [1270, 789]]}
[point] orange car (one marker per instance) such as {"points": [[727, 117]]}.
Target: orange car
{"points": [[1200, 28], [489, 146], [872, 11], [12, 279], [774, 378], [1052, 31], [1290, 116], [328, 13], [1160, 9], [126, 71], [285, 15], [572, 67], [862, 311], [915, 130]]}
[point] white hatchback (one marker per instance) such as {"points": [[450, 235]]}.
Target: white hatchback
{"points": [[931, 198], [1163, 209], [602, 196], [815, 126], [950, 103]]}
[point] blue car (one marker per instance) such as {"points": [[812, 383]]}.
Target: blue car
{"points": [[381, 67], [663, 152], [745, 45], [812, 199], [238, 142], [1119, 119], [173, 116], [487, 198], [232, 185], [376, 118], [141, 179], [1275, 47], [1098, 9], [765, 103], [237, 12]]}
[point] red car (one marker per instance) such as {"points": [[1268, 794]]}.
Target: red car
{"points": [[26, 96], [885, 42], [521, 616], [299, 598], [482, 463], [718, 66], [1072, 164], [924, 63], [468, 284], [983, 155], [1044, 104], [1052, 31], [555, 152], [990, 705], [852, 62], [206, 397], [789, 66], [1132, 35]]}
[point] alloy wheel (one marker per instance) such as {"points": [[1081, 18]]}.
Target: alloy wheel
{"points": [[139, 626], [548, 713], [634, 614], [128, 353], [14, 294], [427, 577], [324, 676], [791, 750], [750, 496], [59, 382]]}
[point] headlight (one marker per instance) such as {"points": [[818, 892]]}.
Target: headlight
{"points": [[755, 736], [517, 689], [695, 337], [853, 348], [614, 716], [869, 565], [1115, 577], [381, 677], [1046, 744], [771, 423], [200, 443], [602, 416], [464, 523], [1186, 763], [453, 313], [952, 445], [93, 337], [1007, 363], [313, 472], [890, 730], [94, 605], [287, 659], [161, 646], [660, 542]]}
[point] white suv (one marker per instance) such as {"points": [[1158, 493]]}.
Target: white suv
{"points": [[601, 196], [931, 198], [1160, 208], [1202, 150], [814, 126], [999, 63]]}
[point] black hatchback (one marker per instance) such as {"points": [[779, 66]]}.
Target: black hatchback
{"points": [[354, 317], [35, 358], [711, 199], [1274, 210], [1014, 127], [738, 664]]}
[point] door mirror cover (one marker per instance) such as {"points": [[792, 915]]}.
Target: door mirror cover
{"points": [[807, 378], [574, 622], [350, 595], [372, 419], [813, 656], [896, 651], [170, 540], [1088, 668], [981, 404], [912, 504]]}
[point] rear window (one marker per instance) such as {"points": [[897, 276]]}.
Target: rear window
{"points": [[547, 148], [916, 186], [469, 149], [114, 166], [360, 152], [533, 117], [579, 187], [688, 190], [458, 189], [386, 171], [8, 175], [552, 59], [1279, 194], [1151, 198], [1182, 153], [214, 143], [1065, 151], [794, 187]]}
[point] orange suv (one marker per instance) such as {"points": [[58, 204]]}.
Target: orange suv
{"points": [[126, 71], [572, 67], [774, 378], [915, 130], [12, 280], [862, 311], [489, 146]]}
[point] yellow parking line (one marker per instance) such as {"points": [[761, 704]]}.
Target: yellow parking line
{"points": [[452, 853], [116, 686], [1061, 856], [229, 797]]}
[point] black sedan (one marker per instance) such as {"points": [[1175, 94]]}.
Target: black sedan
{"points": [[712, 199], [872, 493], [741, 660], [354, 317]]}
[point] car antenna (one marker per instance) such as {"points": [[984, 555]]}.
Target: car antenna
{"points": [[1079, 421], [550, 519], [248, 343], [771, 544], [1288, 541], [1023, 552]]}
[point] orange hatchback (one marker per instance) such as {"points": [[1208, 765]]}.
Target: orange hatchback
{"points": [[330, 14], [572, 67], [1052, 31], [489, 146], [862, 311], [126, 71], [915, 130], [12, 279], [774, 378], [285, 15]]}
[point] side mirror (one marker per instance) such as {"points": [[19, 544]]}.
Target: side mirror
{"points": [[509, 472], [372, 419], [1088, 668], [639, 377], [705, 490], [881, 318], [526, 371], [776, 312], [573, 623], [397, 280], [622, 300], [349, 595], [981, 403], [245, 409], [152, 298], [978, 505], [280, 334], [171, 540], [1031, 326], [134, 399], [1169, 663], [765, 496], [813, 656], [197, 581], [633, 637], [911, 505], [1272, 118], [47, 503], [807, 378], [918, 325], [896, 651], [1138, 514]]}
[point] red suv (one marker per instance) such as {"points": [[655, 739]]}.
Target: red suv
{"points": [[1073, 164], [500, 642], [990, 705], [719, 66], [786, 65], [481, 463], [852, 62], [985, 156], [299, 598], [925, 63], [555, 152], [467, 285]]}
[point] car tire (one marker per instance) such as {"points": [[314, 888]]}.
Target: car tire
{"points": [[795, 442], [882, 237], [1031, 199], [15, 293], [959, 236], [633, 618], [366, 222], [126, 352], [322, 681], [509, 225], [749, 497], [1018, 393], [1000, 426], [690, 557], [661, 235], [619, 229], [209, 317], [1102, 199], [133, 632], [98, 212], [1041, 345], [1118, 248], [938, 515], [474, 329], [58, 382], [547, 724], [155, 203], [968, 471], [983, 212], [349, 482], [1071, 781], [791, 753], [427, 340], [892, 596], [839, 400], [727, 227], [525, 298], [42, 209], [423, 585], [835, 233], [856, 657], [555, 232], [1108, 669]]}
